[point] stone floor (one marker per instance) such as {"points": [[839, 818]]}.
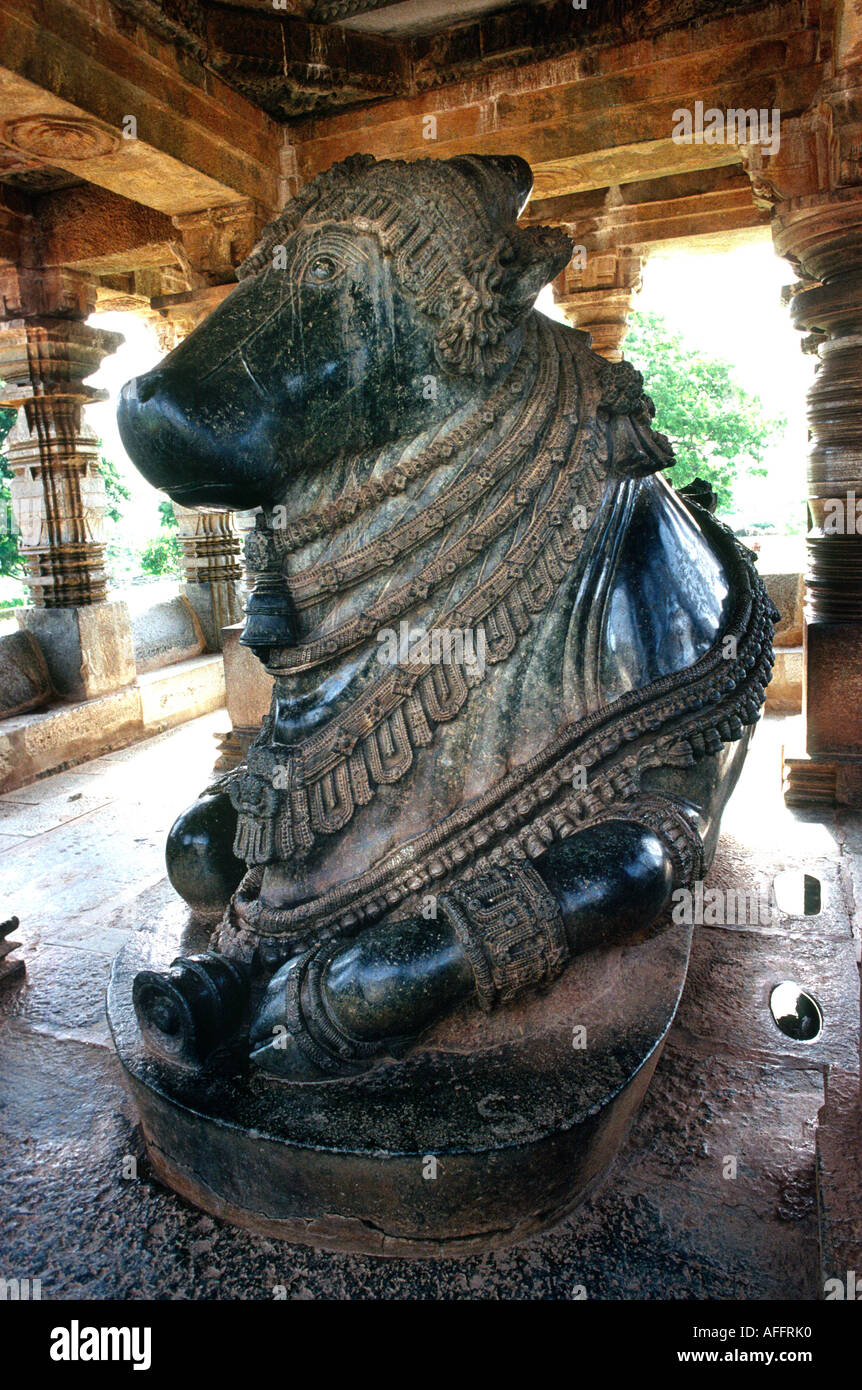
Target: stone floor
{"points": [[82, 866]]}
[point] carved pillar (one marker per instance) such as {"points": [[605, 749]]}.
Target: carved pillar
{"points": [[210, 556], [58, 496], [46, 351], [813, 183], [596, 291], [822, 235]]}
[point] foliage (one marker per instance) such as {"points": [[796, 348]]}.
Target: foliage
{"points": [[10, 562], [115, 488], [161, 555], [716, 427], [167, 513]]}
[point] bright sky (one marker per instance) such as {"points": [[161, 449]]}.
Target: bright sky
{"points": [[727, 303], [138, 354]]}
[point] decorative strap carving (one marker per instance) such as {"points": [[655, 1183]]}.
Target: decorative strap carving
{"points": [[311, 1022], [511, 930]]}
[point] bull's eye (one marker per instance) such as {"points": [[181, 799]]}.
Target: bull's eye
{"points": [[322, 268]]}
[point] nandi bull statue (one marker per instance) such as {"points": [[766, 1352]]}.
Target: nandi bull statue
{"points": [[515, 675]]}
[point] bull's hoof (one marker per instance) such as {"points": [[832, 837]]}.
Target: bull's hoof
{"points": [[199, 854], [189, 1011]]}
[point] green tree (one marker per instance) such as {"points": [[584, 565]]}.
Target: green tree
{"points": [[10, 561], [161, 555], [167, 513], [115, 488], [717, 428]]}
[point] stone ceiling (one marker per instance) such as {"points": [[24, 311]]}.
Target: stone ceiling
{"points": [[291, 57]]}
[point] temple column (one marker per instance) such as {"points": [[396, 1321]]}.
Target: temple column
{"points": [[210, 558], [822, 235], [812, 182], [47, 350], [596, 291]]}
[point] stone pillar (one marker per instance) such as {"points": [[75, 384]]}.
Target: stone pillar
{"points": [[822, 235], [210, 552], [58, 497], [813, 184], [595, 293]]}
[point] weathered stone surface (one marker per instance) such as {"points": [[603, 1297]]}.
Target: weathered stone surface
{"points": [[174, 694], [784, 692], [247, 681], [787, 593], [733, 974], [164, 633], [839, 1179], [24, 680], [88, 651], [44, 741]]}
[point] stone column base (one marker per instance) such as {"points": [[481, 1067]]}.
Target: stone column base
{"points": [[821, 781], [88, 651]]}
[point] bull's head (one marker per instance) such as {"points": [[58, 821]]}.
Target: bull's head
{"points": [[376, 279]]}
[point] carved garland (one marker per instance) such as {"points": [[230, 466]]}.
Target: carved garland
{"points": [[675, 721], [323, 780]]}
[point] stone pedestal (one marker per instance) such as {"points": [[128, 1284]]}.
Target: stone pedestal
{"points": [[88, 651], [492, 1129]]}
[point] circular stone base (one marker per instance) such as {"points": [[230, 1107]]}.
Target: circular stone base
{"points": [[488, 1132]]}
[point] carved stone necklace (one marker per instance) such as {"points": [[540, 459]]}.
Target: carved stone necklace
{"points": [[288, 798], [593, 426]]}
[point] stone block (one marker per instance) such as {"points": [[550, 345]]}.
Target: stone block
{"points": [[839, 1184], [47, 740], [165, 633], [784, 692], [834, 685], [248, 684], [181, 692], [24, 680], [88, 651], [215, 606], [786, 592]]}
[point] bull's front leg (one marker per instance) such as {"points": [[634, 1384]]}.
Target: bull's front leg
{"points": [[335, 1008]]}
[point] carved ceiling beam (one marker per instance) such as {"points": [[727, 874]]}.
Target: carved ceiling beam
{"points": [[92, 229], [289, 65], [712, 208], [591, 116], [66, 100]]}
